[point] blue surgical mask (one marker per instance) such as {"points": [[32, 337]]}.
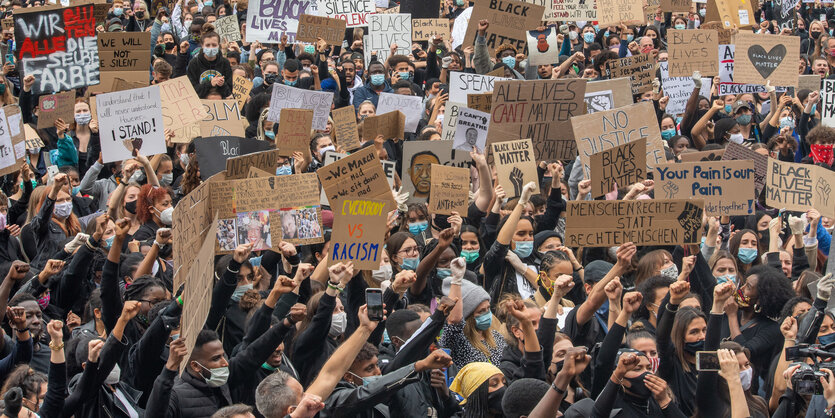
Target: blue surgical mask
{"points": [[726, 278], [405, 75], [443, 273], [743, 119], [588, 37], [310, 49], [483, 321], [283, 170], [410, 263], [681, 26], [606, 34], [747, 255], [827, 339], [378, 79], [630, 37], [728, 109], [470, 255], [787, 122], [291, 83], [418, 227], [668, 133], [523, 248], [207, 3], [108, 242], [239, 292], [814, 108], [75, 190], [210, 52], [510, 61], [269, 134], [596, 27], [118, 11]]}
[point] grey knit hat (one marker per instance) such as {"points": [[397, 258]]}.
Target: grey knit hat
{"points": [[471, 295]]}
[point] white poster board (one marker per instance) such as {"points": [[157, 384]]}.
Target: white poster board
{"points": [[462, 84], [286, 97], [385, 29], [471, 130], [130, 120], [679, 89], [411, 106]]}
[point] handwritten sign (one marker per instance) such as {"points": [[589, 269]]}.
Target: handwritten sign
{"points": [[676, 6], [390, 125], [192, 220], [212, 153], [239, 167], [12, 150], [515, 165], [481, 102], [268, 20], [418, 157], [696, 156], [33, 141], [294, 132], [731, 13], [427, 29], [311, 28], [763, 57], [358, 175], [223, 119], [345, 128], [619, 167], [228, 28], [639, 68], [462, 84], [693, 50], [285, 97], [734, 151], [615, 12], [450, 121], [354, 13], [679, 89], [608, 94], [123, 55], [129, 121], [828, 103], [567, 10], [509, 19], [727, 187], [359, 228], [385, 30], [605, 223], [785, 14], [411, 106], [471, 130], [181, 108], [241, 86], [197, 291], [800, 187], [52, 107], [450, 190]]}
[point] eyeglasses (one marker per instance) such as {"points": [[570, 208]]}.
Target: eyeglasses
{"points": [[410, 250]]}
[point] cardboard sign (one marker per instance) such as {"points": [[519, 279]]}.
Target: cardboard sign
{"points": [[650, 7], [800, 187], [239, 167], [724, 35], [463, 84], [608, 94], [345, 128], [481, 102], [734, 151], [619, 167], [357, 175], [411, 107], [828, 103], [313, 27], [12, 151], [329, 158], [606, 223], [676, 5], [509, 20], [726, 74], [120, 84], [359, 229], [731, 13], [543, 48], [198, 291], [615, 12], [764, 57], [601, 131], [450, 121], [427, 29], [354, 13], [228, 28], [540, 110], [679, 89], [390, 125], [809, 82], [286, 97], [692, 157], [693, 50], [515, 165], [192, 219], [182, 109], [294, 132], [471, 130], [8, 23], [56, 106], [15, 121], [568, 10], [639, 68], [241, 86], [212, 153], [385, 30], [255, 172], [268, 20], [33, 141], [727, 187], [418, 157], [129, 121], [785, 14], [450, 190], [58, 47], [123, 55], [459, 27], [223, 119]]}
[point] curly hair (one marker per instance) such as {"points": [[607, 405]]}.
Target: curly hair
{"points": [[191, 178], [791, 304], [148, 196], [27, 379], [503, 47], [821, 135], [773, 290]]}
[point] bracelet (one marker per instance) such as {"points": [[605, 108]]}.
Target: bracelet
{"points": [[578, 269], [230, 270], [335, 287], [56, 348], [180, 300], [671, 309], [559, 391]]}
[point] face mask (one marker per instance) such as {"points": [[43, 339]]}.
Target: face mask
{"points": [[140, 14], [326, 149], [605, 34], [62, 210], [745, 378], [43, 301], [405, 75], [670, 272], [680, 26], [338, 324], [2, 221], [291, 83], [118, 11], [510, 61], [270, 135], [737, 138], [827, 339], [418, 227], [114, 375], [410, 263], [383, 274], [170, 45], [588, 37], [210, 52], [483, 321], [166, 216], [728, 109], [218, 376], [359, 72], [494, 399], [703, 11], [668, 133], [283, 170], [654, 362], [35, 151], [747, 255], [787, 122], [187, 24], [310, 49], [138, 176], [523, 248], [470, 255], [443, 273], [378, 79], [693, 347], [35, 182], [75, 190], [459, 3], [239, 292], [108, 242], [743, 119], [184, 160], [270, 78], [83, 118], [815, 35], [131, 207], [637, 386], [823, 153], [629, 38], [167, 179], [208, 3], [726, 278]]}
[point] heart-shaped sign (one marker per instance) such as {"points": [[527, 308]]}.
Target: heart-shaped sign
{"points": [[766, 62]]}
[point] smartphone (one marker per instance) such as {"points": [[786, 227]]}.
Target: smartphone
{"points": [[52, 171], [374, 300], [10, 59], [707, 361]]}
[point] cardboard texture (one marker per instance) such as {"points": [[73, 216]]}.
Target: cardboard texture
{"points": [[543, 48], [15, 121], [726, 74], [329, 158], [129, 121], [223, 119], [120, 84], [212, 152], [12, 148], [345, 128], [731, 13], [569, 10], [192, 219], [268, 20], [52, 107], [471, 130], [604, 130], [450, 190], [8, 23], [639, 68], [676, 5], [724, 34], [285, 97], [359, 229], [33, 141], [608, 94], [357, 175], [427, 29], [181, 109], [123, 55], [239, 167], [481, 102], [390, 125], [827, 100], [255, 172], [515, 165], [798, 187], [650, 7], [228, 28], [619, 167], [725, 186], [540, 110], [451, 119], [693, 50], [385, 30], [606, 223], [615, 12], [508, 20], [463, 84], [418, 157], [692, 157], [354, 13], [809, 81], [411, 106], [313, 27], [241, 86], [197, 294], [762, 57], [294, 132], [734, 151]]}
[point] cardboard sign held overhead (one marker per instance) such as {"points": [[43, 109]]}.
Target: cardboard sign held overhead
{"points": [[241, 86], [693, 50], [480, 102], [130, 121], [724, 35], [608, 94], [228, 28], [286, 97], [676, 6], [785, 14], [223, 119], [15, 121], [727, 187], [239, 167], [731, 13], [56, 106], [615, 12], [345, 128], [198, 291], [418, 157], [639, 68], [619, 167], [679, 89], [543, 48], [354, 13], [760, 58], [294, 132], [12, 147], [212, 153], [357, 175], [427, 29], [359, 228], [313, 27], [809, 81], [450, 121], [515, 165], [508, 20], [697, 156], [734, 151], [799, 187], [390, 125], [463, 84], [385, 30], [471, 130], [411, 106], [8, 23], [33, 141], [123, 55], [606, 223], [450, 190], [181, 108], [827, 99], [569, 10], [268, 20]]}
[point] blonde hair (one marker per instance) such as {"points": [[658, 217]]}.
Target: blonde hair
{"points": [[475, 337]]}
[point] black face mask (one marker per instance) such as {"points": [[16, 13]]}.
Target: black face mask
{"points": [[815, 34], [140, 15], [131, 207], [494, 400], [270, 78], [638, 388], [766, 235], [170, 45]]}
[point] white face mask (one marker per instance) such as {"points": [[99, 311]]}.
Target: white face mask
{"points": [[670, 272], [167, 216], [184, 160], [114, 375], [62, 210], [338, 324], [166, 179], [737, 138], [383, 274], [745, 378]]}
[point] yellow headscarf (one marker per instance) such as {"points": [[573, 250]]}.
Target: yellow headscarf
{"points": [[470, 377]]}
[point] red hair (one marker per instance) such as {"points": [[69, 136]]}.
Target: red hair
{"points": [[70, 226], [148, 195]]}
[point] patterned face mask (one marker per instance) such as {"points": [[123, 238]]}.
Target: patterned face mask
{"points": [[43, 301]]}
